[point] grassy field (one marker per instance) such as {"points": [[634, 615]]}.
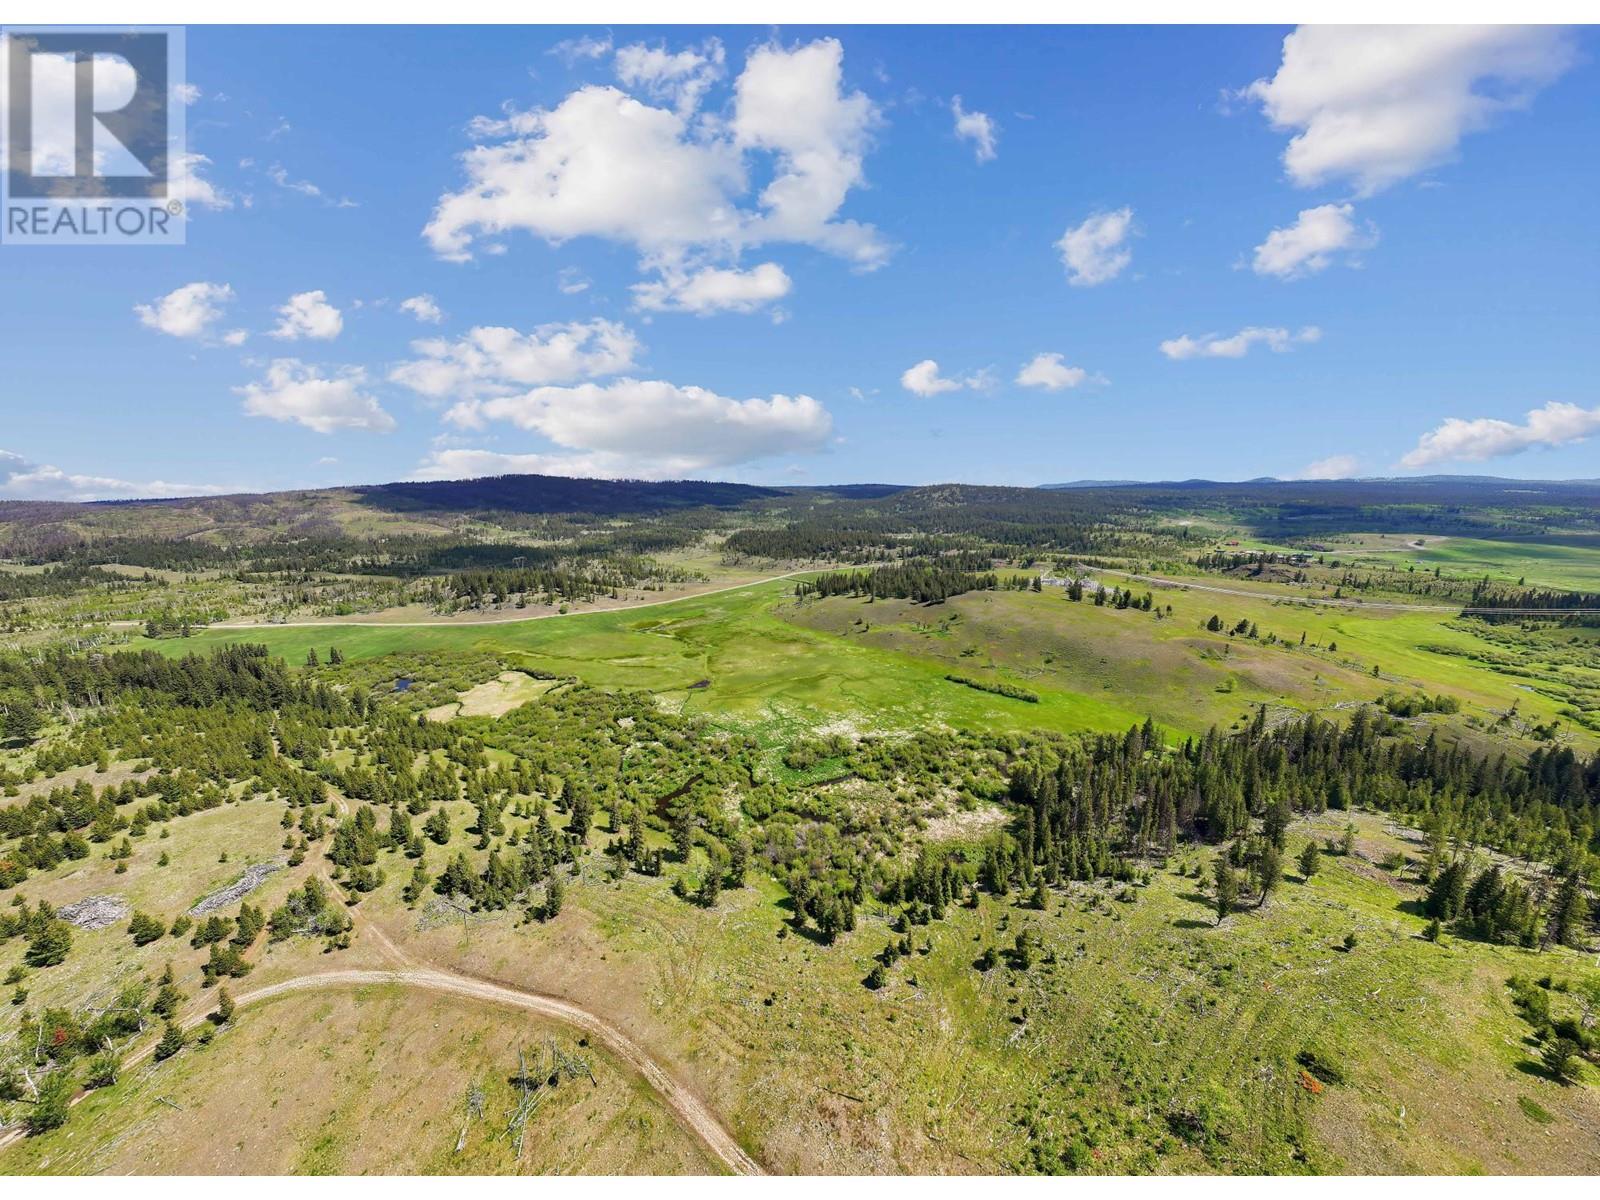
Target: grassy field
{"points": [[103, 960], [1143, 1037], [757, 660], [1560, 561], [371, 1080], [1154, 1040]]}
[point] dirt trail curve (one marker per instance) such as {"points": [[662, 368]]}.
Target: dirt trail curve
{"points": [[333, 623], [408, 972], [683, 1102], [688, 1107]]}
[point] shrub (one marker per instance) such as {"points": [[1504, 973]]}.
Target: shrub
{"points": [[1560, 1057], [145, 929], [53, 1104]]}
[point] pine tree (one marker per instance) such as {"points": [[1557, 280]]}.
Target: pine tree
{"points": [[145, 929], [1268, 870], [171, 1042], [225, 1006], [1569, 913], [1227, 888], [49, 944], [1560, 1057], [738, 863], [1276, 822], [581, 816], [1310, 860], [710, 888], [417, 885]]}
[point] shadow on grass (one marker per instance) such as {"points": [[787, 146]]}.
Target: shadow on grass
{"points": [[1539, 1071], [796, 924]]}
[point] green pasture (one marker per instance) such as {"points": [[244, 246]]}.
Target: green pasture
{"points": [[758, 660], [1569, 561], [755, 670]]}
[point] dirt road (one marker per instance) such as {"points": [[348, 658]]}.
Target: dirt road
{"points": [[683, 1102], [688, 1107]]}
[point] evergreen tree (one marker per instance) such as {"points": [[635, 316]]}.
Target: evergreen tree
{"points": [[49, 944], [1310, 860], [738, 863], [171, 1042], [1569, 912], [1560, 1056], [581, 816], [1268, 871], [145, 929], [1227, 888]]}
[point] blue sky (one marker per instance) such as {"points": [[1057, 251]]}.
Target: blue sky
{"points": [[732, 253]]}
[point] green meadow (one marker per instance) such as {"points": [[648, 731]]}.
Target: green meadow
{"points": [[1566, 561], [759, 660]]}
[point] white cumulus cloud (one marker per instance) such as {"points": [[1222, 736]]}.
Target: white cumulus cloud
{"points": [[1312, 242], [680, 78], [1212, 345], [24, 480], [1335, 466], [424, 308], [978, 128], [1377, 104], [923, 379], [1050, 372], [492, 359], [1455, 439], [326, 401], [606, 164], [649, 428], [308, 315], [573, 50], [1097, 251], [186, 312], [714, 289], [189, 186]]}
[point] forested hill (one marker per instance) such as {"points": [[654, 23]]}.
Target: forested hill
{"points": [[808, 520], [557, 494]]}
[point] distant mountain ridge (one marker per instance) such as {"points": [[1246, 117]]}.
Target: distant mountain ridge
{"points": [[1500, 481]]}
